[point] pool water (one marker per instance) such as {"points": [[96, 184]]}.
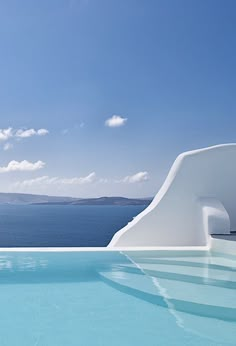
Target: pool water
{"points": [[117, 298]]}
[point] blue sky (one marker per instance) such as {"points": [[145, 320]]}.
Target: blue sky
{"points": [[166, 69]]}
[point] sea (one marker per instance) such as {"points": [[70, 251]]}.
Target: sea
{"points": [[62, 225]]}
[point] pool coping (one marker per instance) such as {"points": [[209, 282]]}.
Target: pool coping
{"points": [[103, 249], [215, 244]]}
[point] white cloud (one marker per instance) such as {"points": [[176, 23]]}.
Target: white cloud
{"points": [[42, 132], [25, 133], [30, 132], [47, 183], [103, 180], [7, 146], [5, 134], [36, 181], [136, 178], [115, 121], [46, 180], [78, 180], [22, 166]]}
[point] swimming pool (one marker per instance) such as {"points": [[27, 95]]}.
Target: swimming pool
{"points": [[117, 298]]}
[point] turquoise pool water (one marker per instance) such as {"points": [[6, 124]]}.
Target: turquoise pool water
{"points": [[115, 298]]}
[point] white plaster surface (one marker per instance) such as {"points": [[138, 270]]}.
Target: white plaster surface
{"points": [[225, 247], [198, 198], [136, 249], [213, 218]]}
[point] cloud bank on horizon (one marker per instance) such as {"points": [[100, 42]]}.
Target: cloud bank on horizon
{"points": [[136, 178], [89, 179]]}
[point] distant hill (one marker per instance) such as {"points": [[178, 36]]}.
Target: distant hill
{"points": [[23, 199], [112, 201]]}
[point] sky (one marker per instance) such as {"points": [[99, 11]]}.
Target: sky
{"points": [[97, 98]]}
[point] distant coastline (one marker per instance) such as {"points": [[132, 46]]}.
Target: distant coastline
{"points": [[31, 199]]}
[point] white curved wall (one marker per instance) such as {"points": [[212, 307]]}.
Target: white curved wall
{"points": [[198, 197]]}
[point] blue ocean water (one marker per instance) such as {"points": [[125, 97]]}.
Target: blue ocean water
{"points": [[62, 225]]}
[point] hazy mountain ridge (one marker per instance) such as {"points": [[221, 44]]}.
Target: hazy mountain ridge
{"points": [[23, 199]]}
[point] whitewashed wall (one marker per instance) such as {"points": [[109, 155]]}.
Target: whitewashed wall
{"points": [[197, 198]]}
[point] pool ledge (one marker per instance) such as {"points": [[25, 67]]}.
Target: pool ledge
{"points": [[107, 249]]}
